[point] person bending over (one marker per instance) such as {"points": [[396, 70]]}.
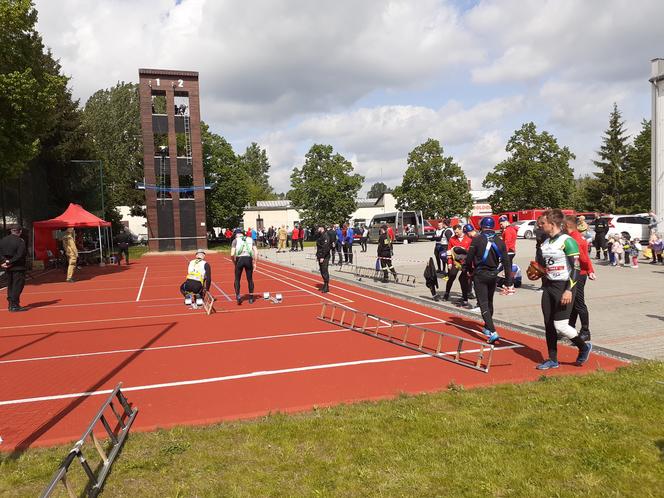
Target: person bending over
{"points": [[560, 258], [199, 279], [245, 257]]}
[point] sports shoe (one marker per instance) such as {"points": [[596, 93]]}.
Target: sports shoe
{"points": [[17, 309], [239, 300], [474, 309], [493, 337], [486, 332], [70, 280], [548, 364], [471, 295], [584, 354], [446, 297], [251, 299], [436, 298], [187, 301]]}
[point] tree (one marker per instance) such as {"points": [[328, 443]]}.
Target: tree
{"points": [[254, 162], [636, 190], [580, 200], [226, 201], [28, 90], [607, 188], [324, 189], [536, 174], [376, 190], [433, 184], [112, 122]]}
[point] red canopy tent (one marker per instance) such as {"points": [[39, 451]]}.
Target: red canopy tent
{"points": [[74, 216]]}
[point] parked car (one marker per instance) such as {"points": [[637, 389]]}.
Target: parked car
{"points": [[428, 230], [526, 229], [637, 225]]}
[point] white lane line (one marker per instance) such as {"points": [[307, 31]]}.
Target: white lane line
{"points": [[53, 324], [138, 297], [282, 278], [260, 373], [228, 298], [180, 346], [439, 320]]}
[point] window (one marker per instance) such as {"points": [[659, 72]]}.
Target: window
{"points": [[158, 102]]}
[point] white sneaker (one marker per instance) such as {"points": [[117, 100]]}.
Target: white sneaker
{"points": [[187, 301], [199, 302]]}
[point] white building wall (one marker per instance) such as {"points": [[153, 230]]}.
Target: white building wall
{"points": [[271, 217], [137, 224]]}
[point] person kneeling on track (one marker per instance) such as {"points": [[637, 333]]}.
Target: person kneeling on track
{"points": [[199, 279], [560, 259], [485, 254], [245, 257]]}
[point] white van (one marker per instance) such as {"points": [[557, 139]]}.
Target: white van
{"points": [[406, 225], [637, 225]]}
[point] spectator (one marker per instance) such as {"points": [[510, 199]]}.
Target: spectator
{"points": [[295, 236]]}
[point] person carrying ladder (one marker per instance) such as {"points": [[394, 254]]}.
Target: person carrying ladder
{"points": [[245, 257], [199, 279]]}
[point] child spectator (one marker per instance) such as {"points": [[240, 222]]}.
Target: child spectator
{"points": [[634, 248], [609, 244], [627, 247], [657, 248], [617, 249]]}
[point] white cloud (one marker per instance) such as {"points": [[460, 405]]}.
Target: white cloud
{"points": [[378, 77]]}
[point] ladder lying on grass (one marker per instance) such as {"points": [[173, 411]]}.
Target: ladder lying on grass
{"points": [[123, 422], [441, 345]]}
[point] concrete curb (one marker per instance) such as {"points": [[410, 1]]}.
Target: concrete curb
{"points": [[533, 331]]}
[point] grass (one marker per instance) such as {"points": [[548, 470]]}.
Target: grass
{"points": [[136, 252], [594, 435]]}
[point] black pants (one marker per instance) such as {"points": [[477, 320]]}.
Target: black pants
{"points": [[294, 245], [440, 255], [363, 244], [337, 249], [246, 264], [125, 251], [485, 288], [191, 287], [580, 309], [302, 243], [464, 281], [600, 243], [348, 253], [554, 311], [386, 265], [324, 272], [510, 258], [15, 284]]}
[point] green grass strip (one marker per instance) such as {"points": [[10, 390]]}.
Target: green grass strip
{"points": [[600, 434]]}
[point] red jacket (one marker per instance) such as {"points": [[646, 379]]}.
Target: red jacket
{"points": [[509, 237], [586, 263], [455, 241], [295, 234]]}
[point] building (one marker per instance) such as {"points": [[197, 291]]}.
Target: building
{"points": [[276, 213]]}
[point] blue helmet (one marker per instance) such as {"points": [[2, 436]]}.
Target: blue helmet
{"points": [[467, 228], [487, 223]]}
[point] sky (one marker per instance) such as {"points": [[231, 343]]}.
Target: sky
{"points": [[376, 78]]}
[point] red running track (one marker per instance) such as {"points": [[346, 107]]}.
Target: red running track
{"points": [[59, 361]]}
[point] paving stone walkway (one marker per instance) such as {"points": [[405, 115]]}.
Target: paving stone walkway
{"points": [[626, 305]]}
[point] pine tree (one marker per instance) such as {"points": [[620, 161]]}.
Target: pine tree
{"points": [[607, 188], [636, 196]]}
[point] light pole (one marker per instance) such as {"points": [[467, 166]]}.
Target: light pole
{"points": [[101, 178]]}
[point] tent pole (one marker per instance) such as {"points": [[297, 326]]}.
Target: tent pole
{"points": [[110, 247], [101, 252]]}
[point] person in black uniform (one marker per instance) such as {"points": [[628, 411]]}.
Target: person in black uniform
{"points": [[323, 247], [12, 260], [124, 240], [385, 254], [332, 235], [601, 229], [485, 253]]}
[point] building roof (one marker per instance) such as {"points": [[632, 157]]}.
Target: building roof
{"points": [[279, 203], [361, 203]]}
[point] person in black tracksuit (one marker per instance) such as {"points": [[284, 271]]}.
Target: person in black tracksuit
{"points": [[323, 248], [601, 229], [486, 252], [332, 235], [384, 254], [12, 260]]}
